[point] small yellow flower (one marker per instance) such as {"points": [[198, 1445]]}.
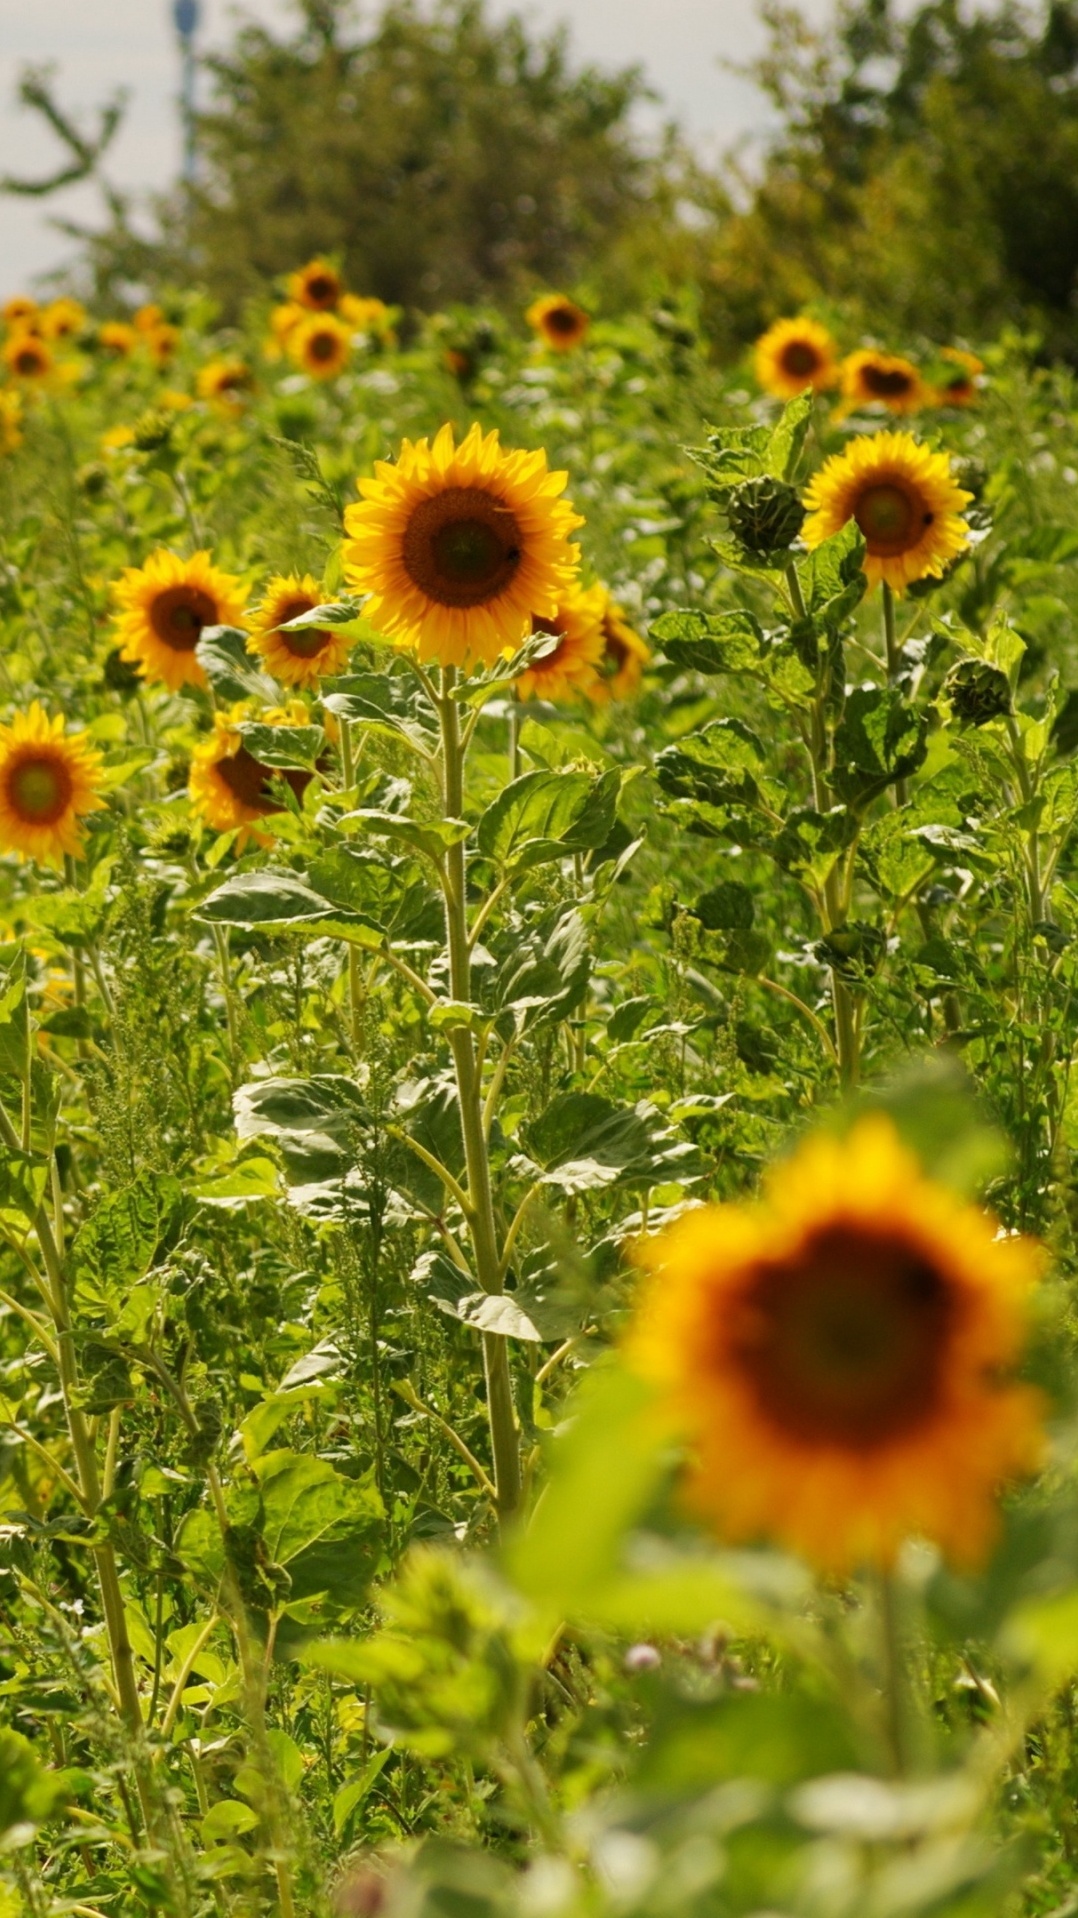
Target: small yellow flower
{"points": [[624, 659], [148, 318], [174, 400], [162, 342], [115, 438], [459, 546], [63, 319], [301, 658], [317, 286], [283, 321], [163, 608], [225, 383], [559, 322], [366, 316], [838, 1356], [117, 338], [49, 780], [883, 379], [321, 344], [793, 355], [19, 311], [228, 786], [29, 359], [904, 498], [962, 388], [571, 671]]}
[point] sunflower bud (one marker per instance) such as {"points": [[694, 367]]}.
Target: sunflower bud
{"points": [[977, 692], [152, 431], [766, 515]]}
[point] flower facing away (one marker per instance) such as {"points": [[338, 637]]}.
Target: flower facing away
{"points": [[28, 358], [624, 659], [366, 315], [117, 338], [304, 657], [904, 498], [48, 781], [162, 343], [571, 670], [164, 607], [283, 321], [317, 286], [225, 383], [793, 355], [559, 322], [837, 1356], [883, 379], [228, 786], [459, 546], [321, 344], [149, 317], [960, 384]]}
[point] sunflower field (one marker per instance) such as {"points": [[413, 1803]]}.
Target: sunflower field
{"points": [[539, 895]]}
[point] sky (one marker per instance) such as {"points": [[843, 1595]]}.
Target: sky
{"points": [[96, 46]]}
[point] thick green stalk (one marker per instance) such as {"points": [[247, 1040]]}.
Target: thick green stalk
{"points": [[894, 667], [482, 1226]]}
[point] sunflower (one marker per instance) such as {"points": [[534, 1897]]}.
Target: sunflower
{"points": [[837, 1356], [48, 781], [283, 321], [571, 670], [317, 286], [162, 342], [559, 322], [28, 358], [228, 786], [63, 319], [117, 338], [624, 656], [225, 383], [10, 420], [149, 317], [366, 315], [905, 500], [19, 311], [164, 606], [296, 659], [321, 344], [883, 379], [959, 388], [460, 546], [793, 355]]}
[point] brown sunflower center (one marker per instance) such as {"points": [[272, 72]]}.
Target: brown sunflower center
{"points": [[178, 615], [39, 789], [28, 360], [886, 382], [843, 1342], [321, 289], [249, 780], [891, 517], [615, 651], [562, 319], [799, 359], [323, 346], [462, 547], [310, 640]]}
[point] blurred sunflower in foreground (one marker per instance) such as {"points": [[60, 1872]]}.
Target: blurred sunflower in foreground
{"points": [[838, 1356], [904, 498], [794, 355], [460, 547], [304, 657], [164, 606], [49, 780]]}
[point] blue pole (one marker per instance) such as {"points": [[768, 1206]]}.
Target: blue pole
{"points": [[185, 14]]}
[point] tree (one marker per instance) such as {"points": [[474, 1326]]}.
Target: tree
{"points": [[440, 155], [926, 174]]}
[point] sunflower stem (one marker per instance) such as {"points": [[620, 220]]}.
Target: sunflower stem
{"points": [[514, 738], [505, 1447], [894, 667]]}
